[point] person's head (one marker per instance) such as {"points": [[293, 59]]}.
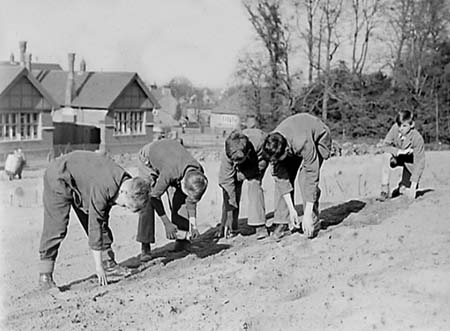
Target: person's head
{"points": [[194, 184], [405, 121], [237, 147], [275, 147], [133, 194]]}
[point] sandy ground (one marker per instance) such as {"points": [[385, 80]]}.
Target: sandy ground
{"points": [[383, 266]]}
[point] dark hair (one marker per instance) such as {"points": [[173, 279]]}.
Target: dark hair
{"points": [[237, 146], [274, 146], [139, 192], [195, 183], [404, 116]]}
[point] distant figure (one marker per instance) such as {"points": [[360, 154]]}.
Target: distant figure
{"points": [[300, 143], [403, 147], [14, 164], [243, 160], [170, 168], [251, 122], [90, 184]]}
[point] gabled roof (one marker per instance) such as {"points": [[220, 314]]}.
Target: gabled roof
{"points": [[9, 75], [92, 89]]}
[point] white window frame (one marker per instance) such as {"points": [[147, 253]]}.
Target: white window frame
{"points": [[129, 122], [20, 126]]}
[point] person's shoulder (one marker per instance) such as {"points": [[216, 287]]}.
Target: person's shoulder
{"points": [[416, 134]]}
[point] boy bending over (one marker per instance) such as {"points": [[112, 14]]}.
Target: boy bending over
{"points": [[301, 141], [241, 161], [91, 184], [167, 164]]}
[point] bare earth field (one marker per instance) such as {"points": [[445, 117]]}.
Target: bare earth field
{"points": [[373, 266]]}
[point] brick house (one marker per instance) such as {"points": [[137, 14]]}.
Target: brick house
{"points": [[25, 114], [111, 111]]}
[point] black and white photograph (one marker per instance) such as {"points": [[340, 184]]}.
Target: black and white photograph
{"points": [[225, 165]]}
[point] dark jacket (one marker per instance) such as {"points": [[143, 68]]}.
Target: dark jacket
{"points": [[168, 160], [253, 168], [310, 139], [94, 181]]}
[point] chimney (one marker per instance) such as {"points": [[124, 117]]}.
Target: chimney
{"points": [[11, 59], [70, 86], [28, 62], [22, 49], [83, 65]]}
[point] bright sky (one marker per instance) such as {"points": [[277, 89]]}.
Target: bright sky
{"points": [[160, 39]]}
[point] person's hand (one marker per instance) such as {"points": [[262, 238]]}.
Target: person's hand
{"points": [[193, 232], [171, 230], [408, 151], [101, 275], [294, 220], [308, 225]]}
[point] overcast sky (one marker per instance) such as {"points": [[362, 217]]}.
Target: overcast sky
{"points": [[160, 39]]}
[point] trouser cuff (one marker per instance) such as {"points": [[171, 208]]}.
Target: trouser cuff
{"points": [[46, 266]]}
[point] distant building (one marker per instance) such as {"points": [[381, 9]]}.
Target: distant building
{"points": [[226, 116], [25, 113], [111, 111]]}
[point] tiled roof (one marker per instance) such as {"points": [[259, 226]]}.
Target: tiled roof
{"points": [[230, 105], [11, 74], [93, 89]]}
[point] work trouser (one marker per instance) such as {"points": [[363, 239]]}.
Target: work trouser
{"points": [[256, 205], [292, 165], [179, 215], [390, 161], [58, 199]]}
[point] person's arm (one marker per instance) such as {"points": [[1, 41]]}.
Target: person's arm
{"points": [[101, 275], [389, 141], [98, 216], [160, 187], [293, 216]]}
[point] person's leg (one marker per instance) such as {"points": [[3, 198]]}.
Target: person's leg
{"points": [[281, 213], [256, 208], [146, 219], [56, 202], [180, 218], [302, 183]]}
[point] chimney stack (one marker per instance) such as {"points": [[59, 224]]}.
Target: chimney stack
{"points": [[70, 86], [28, 62], [11, 59], [22, 49], [83, 65]]}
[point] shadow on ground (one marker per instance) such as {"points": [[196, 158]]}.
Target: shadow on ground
{"points": [[208, 243]]}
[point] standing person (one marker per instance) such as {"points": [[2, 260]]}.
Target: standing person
{"points": [[241, 161], [91, 184], [301, 141], [403, 147], [168, 164]]}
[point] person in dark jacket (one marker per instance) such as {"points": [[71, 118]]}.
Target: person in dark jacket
{"points": [[91, 184], [242, 160], [299, 143], [172, 169]]}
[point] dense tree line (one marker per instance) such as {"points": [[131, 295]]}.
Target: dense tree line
{"points": [[356, 93]]}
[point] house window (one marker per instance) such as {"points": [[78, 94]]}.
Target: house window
{"points": [[19, 126], [128, 122]]}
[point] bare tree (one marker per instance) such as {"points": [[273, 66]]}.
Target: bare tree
{"points": [[364, 15], [331, 10], [308, 33], [265, 16], [252, 74]]}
